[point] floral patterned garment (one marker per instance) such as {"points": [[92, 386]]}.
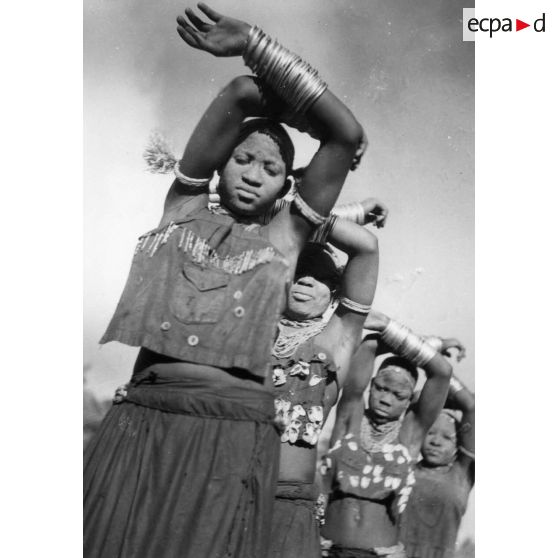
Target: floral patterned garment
{"points": [[299, 388], [379, 476]]}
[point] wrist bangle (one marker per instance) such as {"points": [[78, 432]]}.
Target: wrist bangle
{"points": [[322, 233], [402, 340], [435, 342], [294, 80], [455, 385], [353, 211]]}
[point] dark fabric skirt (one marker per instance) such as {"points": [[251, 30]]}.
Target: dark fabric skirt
{"points": [[295, 532], [182, 469]]}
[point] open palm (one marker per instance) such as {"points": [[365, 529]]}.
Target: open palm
{"points": [[224, 37]]}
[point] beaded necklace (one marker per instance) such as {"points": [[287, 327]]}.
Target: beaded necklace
{"points": [[293, 333], [374, 436]]}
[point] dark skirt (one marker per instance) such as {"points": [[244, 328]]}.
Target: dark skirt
{"points": [[295, 532], [396, 551], [182, 469]]}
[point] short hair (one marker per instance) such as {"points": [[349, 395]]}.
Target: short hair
{"points": [[318, 261], [275, 131], [401, 362]]}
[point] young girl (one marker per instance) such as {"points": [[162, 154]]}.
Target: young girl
{"points": [[444, 478], [369, 468]]}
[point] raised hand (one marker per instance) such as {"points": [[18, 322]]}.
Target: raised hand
{"points": [[452, 343], [375, 212], [224, 37]]}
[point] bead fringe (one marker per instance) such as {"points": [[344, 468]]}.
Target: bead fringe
{"points": [[201, 252]]}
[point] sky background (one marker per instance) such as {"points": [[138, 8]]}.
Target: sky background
{"points": [[402, 68]]}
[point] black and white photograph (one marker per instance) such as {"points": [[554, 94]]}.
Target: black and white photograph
{"points": [[279, 228]]}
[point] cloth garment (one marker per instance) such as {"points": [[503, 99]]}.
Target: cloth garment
{"points": [[397, 551], [384, 476], [295, 530], [299, 386], [203, 288], [430, 524], [182, 468]]}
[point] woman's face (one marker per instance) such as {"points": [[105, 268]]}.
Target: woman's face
{"points": [[390, 395], [308, 298], [440, 444], [254, 176]]}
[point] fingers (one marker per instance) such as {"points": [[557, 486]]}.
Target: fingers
{"points": [[211, 14], [187, 36], [190, 35], [197, 22]]}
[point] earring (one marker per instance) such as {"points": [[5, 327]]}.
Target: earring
{"points": [[214, 203]]}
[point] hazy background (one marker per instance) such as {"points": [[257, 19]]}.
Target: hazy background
{"points": [[402, 68]]}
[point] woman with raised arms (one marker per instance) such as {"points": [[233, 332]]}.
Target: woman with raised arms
{"points": [[186, 465]]}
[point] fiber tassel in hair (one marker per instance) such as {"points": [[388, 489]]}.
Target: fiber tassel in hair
{"points": [[158, 154]]}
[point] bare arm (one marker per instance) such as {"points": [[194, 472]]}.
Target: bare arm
{"points": [[430, 402], [336, 128], [358, 284], [350, 409], [462, 399], [438, 372]]}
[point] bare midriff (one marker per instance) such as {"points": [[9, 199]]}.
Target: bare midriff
{"points": [[226, 377], [297, 464], [357, 523]]}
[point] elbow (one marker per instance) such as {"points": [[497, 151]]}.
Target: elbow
{"points": [[443, 368], [350, 134], [370, 245], [366, 245], [345, 131], [241, 88]]}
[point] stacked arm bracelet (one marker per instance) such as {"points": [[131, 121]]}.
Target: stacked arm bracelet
{"points": [[435, 342], [351, 212], [294, 80], [321, 234], [403, 341]]}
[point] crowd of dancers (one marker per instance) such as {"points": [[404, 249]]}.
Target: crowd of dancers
{"points": [[251, 302]]}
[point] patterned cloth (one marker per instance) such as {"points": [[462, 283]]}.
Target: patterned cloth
{"points": [[384, 476], [299, 387]]}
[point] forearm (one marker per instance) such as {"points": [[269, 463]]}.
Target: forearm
{"points": [[215, 135], [361, 271], [307, 98], [402, 341], [459, 396]]}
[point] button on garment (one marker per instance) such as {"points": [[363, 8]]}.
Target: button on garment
{"points": [[193, 340], [239, 311], [165, 326]]}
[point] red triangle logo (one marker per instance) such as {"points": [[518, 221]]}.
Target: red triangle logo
{"points": [[519, 25]]}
